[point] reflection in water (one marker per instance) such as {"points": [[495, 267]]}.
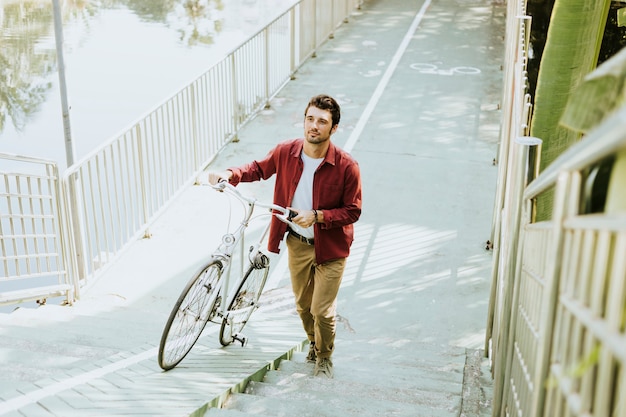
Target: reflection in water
{"points": [[196, 21], [123, 57], [23, 68], [26, 24]]}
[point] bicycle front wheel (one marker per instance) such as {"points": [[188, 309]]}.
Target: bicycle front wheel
{"points": [[196, 305], [244, 302]]}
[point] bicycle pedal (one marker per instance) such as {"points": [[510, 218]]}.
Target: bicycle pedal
{"points": [[241, 339]]}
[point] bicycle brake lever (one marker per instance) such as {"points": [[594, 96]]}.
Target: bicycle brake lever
{"points": [[287, 217]]}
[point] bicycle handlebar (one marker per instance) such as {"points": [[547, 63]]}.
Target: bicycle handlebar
{"points": [[283, 214]]}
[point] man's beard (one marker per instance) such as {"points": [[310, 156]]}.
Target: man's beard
{"points": [[316, 139]]}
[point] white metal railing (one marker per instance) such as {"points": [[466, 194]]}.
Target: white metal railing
{"points": [[32, 238], [556, 324], [567, 347], [109, 198], [516, 110]]}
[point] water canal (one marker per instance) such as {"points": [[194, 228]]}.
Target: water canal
{"points": [[122, 57]]}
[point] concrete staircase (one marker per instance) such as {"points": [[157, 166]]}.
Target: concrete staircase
{"points": [[372, 378]]}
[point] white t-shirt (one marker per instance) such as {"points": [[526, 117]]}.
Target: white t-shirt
{"points": [[303, 198]]}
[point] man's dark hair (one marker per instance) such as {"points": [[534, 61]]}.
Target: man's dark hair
{"points": [[325, 102]]}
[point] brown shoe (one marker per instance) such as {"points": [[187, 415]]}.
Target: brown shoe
{"points": [[312, 356], [323, 367]]}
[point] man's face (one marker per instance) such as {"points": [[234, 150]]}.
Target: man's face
{"points": [[318, 125]]}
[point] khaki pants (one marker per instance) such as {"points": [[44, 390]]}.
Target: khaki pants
{"points": [[315, 288]]}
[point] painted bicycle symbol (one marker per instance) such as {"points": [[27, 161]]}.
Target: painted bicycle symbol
{"points": [[434, 69]]}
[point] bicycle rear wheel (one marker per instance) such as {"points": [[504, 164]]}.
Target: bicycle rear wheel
{"points": [[245, 301], [196, 305]]}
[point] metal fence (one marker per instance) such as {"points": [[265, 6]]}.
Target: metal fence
{"points": [[557, 315], [516, 110], [109, 198], [31, 234]]}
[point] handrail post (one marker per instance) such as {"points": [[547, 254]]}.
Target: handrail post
{"points": [[512, 263], [332, 21], [266, 34], [65, 246], [516, 182], [194, 126], [142, 180], [314, 29], [515, 61], [292, 45], [233, 77], [75, 234]]}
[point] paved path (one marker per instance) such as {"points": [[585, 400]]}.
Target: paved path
{"points": [[419, 84]]}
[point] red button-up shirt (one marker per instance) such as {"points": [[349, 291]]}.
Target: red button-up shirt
{"points": [[336, 191]]}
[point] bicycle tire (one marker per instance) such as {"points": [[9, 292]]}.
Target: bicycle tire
{"points": [[196, 305], [244, 302]]}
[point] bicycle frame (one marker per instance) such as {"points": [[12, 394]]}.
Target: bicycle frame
{"points": [[206, 296], [225, 250]]}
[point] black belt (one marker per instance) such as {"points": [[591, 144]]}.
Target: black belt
{"points": [[308, 241]]}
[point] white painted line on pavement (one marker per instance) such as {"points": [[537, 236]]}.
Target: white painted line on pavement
{"points": [[356, 133], [33, 397]]}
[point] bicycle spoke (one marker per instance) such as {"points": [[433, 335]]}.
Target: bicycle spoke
{"points": [[244, 303], [195, 307], [201, 302]]}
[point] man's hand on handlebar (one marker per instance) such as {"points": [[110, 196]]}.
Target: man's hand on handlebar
{"points": [[303, 218], [215, 177]]}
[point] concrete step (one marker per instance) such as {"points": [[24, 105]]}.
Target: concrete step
{"points": [[384, 375], [357, 367], [371, 378], [332, 404], [226, 412]]}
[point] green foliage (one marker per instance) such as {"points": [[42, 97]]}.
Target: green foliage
{"points": [[571, 52], [602, 91], [579, 368]]}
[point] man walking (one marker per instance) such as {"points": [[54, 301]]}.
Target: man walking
{"points": [[322, 184]]}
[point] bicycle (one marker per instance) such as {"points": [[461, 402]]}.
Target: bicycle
{"points": [[204, 297]]}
